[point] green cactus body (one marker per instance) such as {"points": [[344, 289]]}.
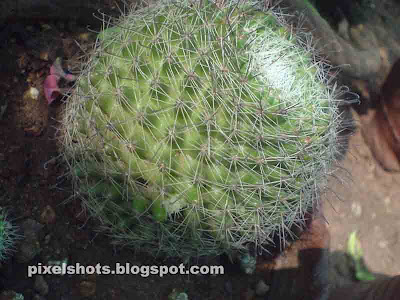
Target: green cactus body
{"points": [[196, 129]]}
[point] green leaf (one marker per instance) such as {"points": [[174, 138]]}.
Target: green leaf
{"points": [[354, 247], [355, 251]]}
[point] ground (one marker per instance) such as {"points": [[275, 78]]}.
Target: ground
{"points": [[365, 201], [33, 188]]}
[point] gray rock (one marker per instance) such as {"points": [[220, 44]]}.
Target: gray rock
{"points": [[30, 245], [262, 288], [41, 285]]}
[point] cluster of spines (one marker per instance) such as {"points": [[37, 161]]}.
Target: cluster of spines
{"points": [[8, 236]]}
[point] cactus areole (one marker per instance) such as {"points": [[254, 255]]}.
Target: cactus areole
{"points": [[196, 129]]}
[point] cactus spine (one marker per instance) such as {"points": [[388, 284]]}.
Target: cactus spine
{"points": [[8, 236], [196, 129]]}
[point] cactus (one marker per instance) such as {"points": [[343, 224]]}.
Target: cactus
{"points": [[8, 236], [196, 129]]}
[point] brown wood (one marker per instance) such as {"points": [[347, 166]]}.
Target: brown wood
{"points": [[382, 133]]}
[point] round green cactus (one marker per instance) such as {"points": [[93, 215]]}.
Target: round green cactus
{"points": [[197, 128], [8, 236]]}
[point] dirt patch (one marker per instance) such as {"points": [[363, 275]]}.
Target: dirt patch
{"points": [[366, 201]]}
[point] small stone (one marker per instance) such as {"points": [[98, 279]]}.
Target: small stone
{"points": [[31, 94], [87, 288], [48, 215], [44, 55], [262, 288], [356, 209], [383, 244], [46, 27], [28, 249], [388, 201], [47, 239], [30, 245], [32, 115], [41, 285]]}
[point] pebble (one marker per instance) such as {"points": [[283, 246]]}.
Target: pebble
{"points": [[44, 55], [31, 94], [356, 209], [32, 114], [41, 285], [262, 288], [87, 288], [383, 244], [28, 249], [47, 239], [48, 215], [30, 245]]}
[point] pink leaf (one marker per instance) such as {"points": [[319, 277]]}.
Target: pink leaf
{"points": [[51, 88], [69, 77], [53, 69]]}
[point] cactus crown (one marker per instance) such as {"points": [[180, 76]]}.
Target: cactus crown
{"points": [[196, 129]]}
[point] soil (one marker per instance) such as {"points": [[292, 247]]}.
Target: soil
{"points": [[365, 200], [33, 187]]}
